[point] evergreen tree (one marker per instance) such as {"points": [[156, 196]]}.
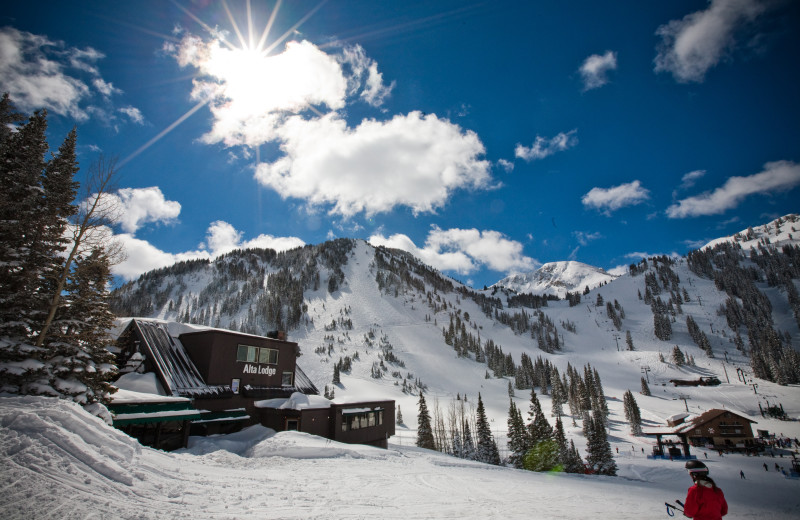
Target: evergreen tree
{"points": [[424, 429], [486, 449], [645, 387], [599, 455], [542, 457], [629, 340], [518, 439], [632, 413], [538, 427], [677, 356], [399, 418], [561, 441], [468, 445], [574, 462], [53, 313]]}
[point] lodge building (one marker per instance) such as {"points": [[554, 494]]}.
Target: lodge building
{"points": [[217, 381]]}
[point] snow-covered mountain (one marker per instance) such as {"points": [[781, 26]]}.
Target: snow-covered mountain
{"points": [[557, 278], [391, 315], [782, 230]]}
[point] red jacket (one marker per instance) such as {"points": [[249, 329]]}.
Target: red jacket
{"points": [[705, 502]]}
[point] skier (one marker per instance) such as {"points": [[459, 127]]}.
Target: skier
{"points": [[766, 468], [705, 501], [741, 473]]}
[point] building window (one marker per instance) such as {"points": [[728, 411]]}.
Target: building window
{"points": [[268, 356], [248, 354], [287, 379], [357, 421]]}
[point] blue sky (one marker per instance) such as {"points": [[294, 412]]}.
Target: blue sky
{"points": [[484, 137]]}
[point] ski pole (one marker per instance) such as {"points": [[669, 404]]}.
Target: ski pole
{"points": [[670, 508], [680, 503]]}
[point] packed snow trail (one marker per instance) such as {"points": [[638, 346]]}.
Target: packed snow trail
{"points": [[56, 461]]}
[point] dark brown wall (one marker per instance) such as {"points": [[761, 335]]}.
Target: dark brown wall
{"points": [[327, 422], [375, 435], [214, 354]]}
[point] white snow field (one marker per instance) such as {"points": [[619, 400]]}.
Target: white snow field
{"points": [[57, 461]]}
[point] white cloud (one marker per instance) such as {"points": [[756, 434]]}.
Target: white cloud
{"points": [[506, 165], [585, 238], [594, 70], [41, 73], [221, 238], [694, 44], [612, 199], [133, 113], [104, 87], [410, 160], [776, 176], [543, 147], [139, 206], [688, 180], [363, 75], [373, 167], [463, 250]]}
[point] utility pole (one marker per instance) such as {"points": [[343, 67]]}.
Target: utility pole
{"points": [[754, 385], [726, 373], [646, 370]]}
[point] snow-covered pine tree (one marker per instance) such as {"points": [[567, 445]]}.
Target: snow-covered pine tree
{"points": [[599, 455], [561, 441], [538, 427], [574, 462], [424, 429], [53, 316], [399, 418], [486, 449], [518, 438]]}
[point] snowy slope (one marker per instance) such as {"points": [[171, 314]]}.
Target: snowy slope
{"points": [[59, 462], [408, 319], [780, 231], [557, 278]]}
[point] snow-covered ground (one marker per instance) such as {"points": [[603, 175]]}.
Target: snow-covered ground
{"points": [[56, 461]]}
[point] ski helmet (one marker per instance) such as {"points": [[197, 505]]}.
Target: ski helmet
{"points": [[695, 466]]}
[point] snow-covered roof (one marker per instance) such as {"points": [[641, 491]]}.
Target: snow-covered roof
{"points": [[297, 401]]}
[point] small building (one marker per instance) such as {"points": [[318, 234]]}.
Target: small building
{"points": [[231, 378], [361, 422], [720, 429]]}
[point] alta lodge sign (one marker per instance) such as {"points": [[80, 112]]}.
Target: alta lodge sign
{"points": [[253, 369]]}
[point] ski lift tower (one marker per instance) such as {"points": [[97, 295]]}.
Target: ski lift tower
{"points": [[645, 371]]}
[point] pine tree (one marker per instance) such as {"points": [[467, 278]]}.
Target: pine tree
{"points": [[538, 427], [53, 313], [629, 340], [518, 438], [599, 455], [677, 356], [645, 387], [574, 462], [424, 429], [399, 418], [632, 413], [561, 441], [486, 449]]}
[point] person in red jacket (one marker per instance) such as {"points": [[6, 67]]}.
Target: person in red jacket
{"points": [[705, 501]]}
